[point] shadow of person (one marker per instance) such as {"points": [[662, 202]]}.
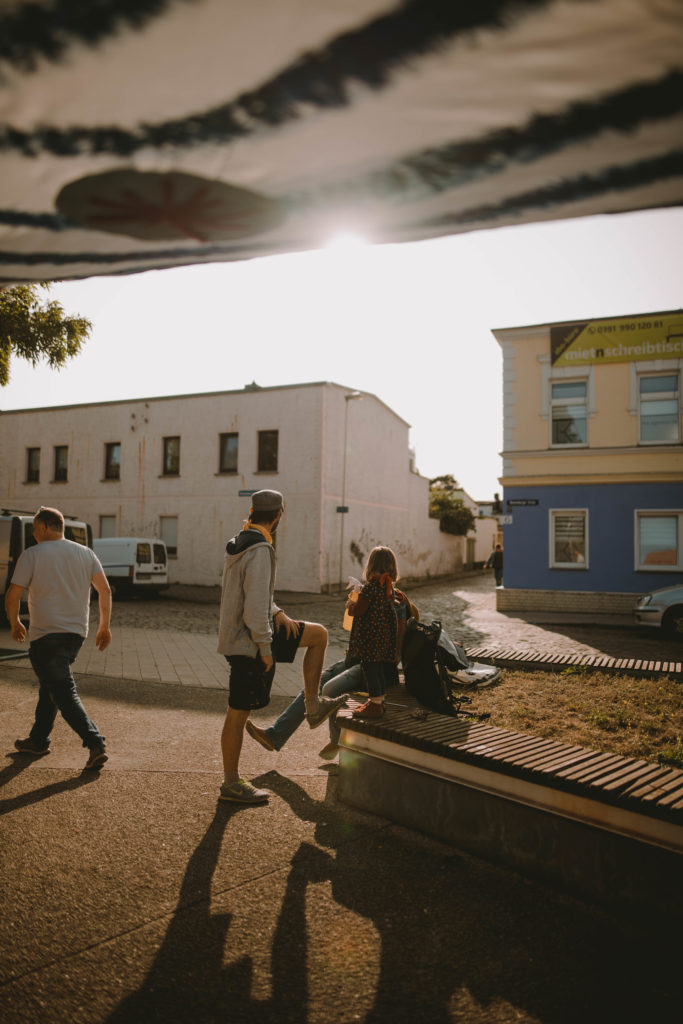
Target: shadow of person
{"points": [[189, 980], [45, 792], [20, 762], [457, 938]]}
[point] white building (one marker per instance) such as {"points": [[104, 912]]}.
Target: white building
{"points": [[178, 468]]}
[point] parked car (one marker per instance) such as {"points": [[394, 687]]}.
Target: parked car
{"points": [[662, 608], [16, 535], [133, 565]]}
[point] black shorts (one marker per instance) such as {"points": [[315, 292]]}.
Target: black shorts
{"points": [[250, 683], [284, 647]]}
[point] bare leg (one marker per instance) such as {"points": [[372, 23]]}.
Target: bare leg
{"points": [[231, 738], [314, 639]]}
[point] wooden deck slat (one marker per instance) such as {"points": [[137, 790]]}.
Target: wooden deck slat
{"points": [[554, 757], [645, 785], [586, 771]]}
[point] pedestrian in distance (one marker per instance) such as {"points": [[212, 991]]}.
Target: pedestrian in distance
{"points": [[58, 574], [374, 630], [495, 562], [254, 634]]}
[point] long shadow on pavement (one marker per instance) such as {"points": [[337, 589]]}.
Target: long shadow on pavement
{"points": [[189, 980], [460, 939], [45, 792], [449, 939]]}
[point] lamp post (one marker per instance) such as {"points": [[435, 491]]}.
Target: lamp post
{"points": [[342, 508]]}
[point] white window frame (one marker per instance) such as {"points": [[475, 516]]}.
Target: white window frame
{"points": [[653, 513], [571, 566], [674, 395], [564, 401], [564, 375]]}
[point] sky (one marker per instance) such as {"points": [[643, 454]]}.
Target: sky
{"points": [[410, 323]]}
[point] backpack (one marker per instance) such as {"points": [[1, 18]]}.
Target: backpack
{"points": [[431, 665]]}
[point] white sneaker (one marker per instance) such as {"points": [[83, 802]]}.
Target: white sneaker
{"points": [[242, 792]]}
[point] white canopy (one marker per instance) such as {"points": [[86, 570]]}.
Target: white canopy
{"points": [[137, 134]]}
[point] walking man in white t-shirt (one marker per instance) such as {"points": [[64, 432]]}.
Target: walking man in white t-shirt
{"points": [[58, 574]]}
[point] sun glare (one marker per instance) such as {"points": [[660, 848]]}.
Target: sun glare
{"points": [[346, 243]]}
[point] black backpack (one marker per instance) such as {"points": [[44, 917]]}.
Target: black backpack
{"points": [[429, 658]]}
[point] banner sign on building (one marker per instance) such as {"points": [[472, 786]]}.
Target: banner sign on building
{"points": [[622, 340]]}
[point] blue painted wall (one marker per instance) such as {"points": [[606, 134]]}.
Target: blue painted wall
{"points": [[610, 537]]}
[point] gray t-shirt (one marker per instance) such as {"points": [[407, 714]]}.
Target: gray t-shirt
{"points": [[58, 574]]}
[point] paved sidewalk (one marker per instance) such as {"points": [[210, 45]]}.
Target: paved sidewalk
{"points": [[130, 896], [165, 656]]}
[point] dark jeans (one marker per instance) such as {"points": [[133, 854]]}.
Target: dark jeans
{"points": [[379, 675], [52, 657]]}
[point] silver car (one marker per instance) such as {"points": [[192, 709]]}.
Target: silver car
{"points": [[662, 608]]}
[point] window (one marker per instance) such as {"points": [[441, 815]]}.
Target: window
{"points": [[61, 462], [144, 554], [78, 534], [659, 412], [107, 526], [160, 554], [32, 465], [112, 461], [658, 540], [568, 402], [267, 451], [568, 539], [171, 456], [168, 529], [227, 453]]}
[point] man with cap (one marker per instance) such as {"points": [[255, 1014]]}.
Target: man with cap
{"points": [[254, 634]]}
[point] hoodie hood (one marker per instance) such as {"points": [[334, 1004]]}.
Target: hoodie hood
{"points": [[243, 540]]}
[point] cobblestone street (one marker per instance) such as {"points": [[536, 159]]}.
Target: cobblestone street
{"points": [[465, 605]]}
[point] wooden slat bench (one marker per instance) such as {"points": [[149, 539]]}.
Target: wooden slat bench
{"points": [[552, 662], [608, 827]]}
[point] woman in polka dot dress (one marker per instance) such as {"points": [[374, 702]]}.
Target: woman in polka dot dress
{"points": [[373, 633]]}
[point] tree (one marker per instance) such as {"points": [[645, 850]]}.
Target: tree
{"points": [[35, 329], [451, 512]]}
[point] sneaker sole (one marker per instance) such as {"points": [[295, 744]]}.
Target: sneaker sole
{"points": [[31, 753], [98, 761]]}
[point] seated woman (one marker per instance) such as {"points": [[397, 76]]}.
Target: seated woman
{"points": [[337, 680]]}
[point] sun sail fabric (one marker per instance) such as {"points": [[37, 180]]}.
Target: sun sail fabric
{"points": [[140, 134]]}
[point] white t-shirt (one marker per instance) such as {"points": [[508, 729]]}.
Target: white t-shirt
{"points": [[58, 574]]}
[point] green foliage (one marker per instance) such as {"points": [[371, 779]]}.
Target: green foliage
{"points": [[450, 510], [35, 329], [672, 756]]}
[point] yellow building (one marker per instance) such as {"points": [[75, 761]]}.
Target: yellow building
{"points": [[592, 461]]}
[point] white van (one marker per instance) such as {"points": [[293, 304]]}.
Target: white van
{"points": [[133, 565]]}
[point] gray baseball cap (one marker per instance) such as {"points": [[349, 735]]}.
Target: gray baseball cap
{"points": [[267, 501]]}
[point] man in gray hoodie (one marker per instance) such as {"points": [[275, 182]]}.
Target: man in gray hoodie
{"points": [[254, 634]]}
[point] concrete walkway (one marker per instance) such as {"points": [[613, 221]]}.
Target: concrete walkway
{"points": [[164, 656]]}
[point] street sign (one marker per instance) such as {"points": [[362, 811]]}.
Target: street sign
{"points": [[520, 502], [246, 494], [342, 508]]}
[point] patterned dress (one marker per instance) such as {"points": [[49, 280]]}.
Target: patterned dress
{"points": [[373, 634]]}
